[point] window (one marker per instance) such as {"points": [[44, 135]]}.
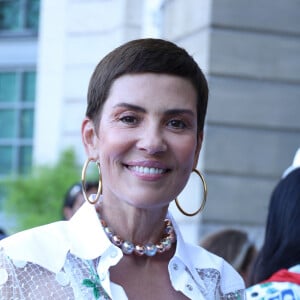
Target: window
{"points": [[17, 97], [19, 16]]}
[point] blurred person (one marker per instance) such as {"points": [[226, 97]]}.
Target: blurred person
{"points": [[276, 270], [74, 197], [234, 246], [143, 129], [2, 234]]}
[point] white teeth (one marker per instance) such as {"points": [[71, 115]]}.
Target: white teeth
{"points": [[146, 170]]}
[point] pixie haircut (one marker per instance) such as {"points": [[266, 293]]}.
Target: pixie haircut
{"points": [[145, 56]]}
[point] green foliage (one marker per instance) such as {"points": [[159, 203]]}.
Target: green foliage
{"points": [[37, 198]]}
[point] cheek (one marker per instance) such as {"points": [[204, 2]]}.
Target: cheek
{"points": [[186, 151], [112, 146]]}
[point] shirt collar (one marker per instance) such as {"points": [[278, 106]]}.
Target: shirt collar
{"points": [[182, 254], [88, 240], [82, 235]]}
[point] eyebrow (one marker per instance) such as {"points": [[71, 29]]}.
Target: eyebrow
{"points": [[130, 106], [179, 112], [167, 112]]}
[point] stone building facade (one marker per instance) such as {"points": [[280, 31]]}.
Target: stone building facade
{"points": [[249, 50]]}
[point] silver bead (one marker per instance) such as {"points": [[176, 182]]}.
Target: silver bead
{"points": [[169, 229], [167, 243], [108, 232], [127, 247], [150, 249]]}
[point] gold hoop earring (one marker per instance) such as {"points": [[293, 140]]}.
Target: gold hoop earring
{"points": [[203, 200], [83, 174]]}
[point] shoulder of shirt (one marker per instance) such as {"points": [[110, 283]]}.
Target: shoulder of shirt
{"points": [[37, 243], [48, 245], [51, 229]]}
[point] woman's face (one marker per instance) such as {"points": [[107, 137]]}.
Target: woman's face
{"points": [[147, 141]]}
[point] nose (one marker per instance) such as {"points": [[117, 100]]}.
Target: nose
{"points": [[152, 140]]}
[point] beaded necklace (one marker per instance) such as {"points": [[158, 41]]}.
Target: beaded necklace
{"points": [[149, 249]]}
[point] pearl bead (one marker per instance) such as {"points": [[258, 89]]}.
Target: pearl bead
{"points": [[150, 249], [117, 240], [127, 247], [139, 250], [167, 243]]}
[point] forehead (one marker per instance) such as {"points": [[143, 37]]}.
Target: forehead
{"points": [[152, 89]]}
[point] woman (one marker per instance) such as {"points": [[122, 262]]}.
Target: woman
{"points": [[144, 128], [276, 271]]}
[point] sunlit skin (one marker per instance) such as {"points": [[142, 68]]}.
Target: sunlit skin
{"points": [[147, 144]]}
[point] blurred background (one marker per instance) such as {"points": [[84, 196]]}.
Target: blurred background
{"points": [[248, 49]]}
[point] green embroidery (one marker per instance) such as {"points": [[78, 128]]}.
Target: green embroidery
{"points": [[94, 283]]}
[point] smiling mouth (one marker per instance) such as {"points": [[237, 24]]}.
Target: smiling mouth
{"points": [[147, 170]]}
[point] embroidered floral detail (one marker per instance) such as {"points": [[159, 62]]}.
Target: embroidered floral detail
{"points": [[211, 279], [237, 295], [94, 283]]}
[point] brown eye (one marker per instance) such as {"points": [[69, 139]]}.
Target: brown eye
{"points": [[129, 120], [177, 124]]}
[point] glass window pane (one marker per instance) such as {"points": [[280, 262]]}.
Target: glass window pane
{"points": [[6, 160], [8, 87], [8, 123], [29, 86], [26, 124], [25, 159], [9, 15], [32, 18]]}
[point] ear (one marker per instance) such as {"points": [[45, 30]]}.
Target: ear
{"points": [[89, 138], [198, 148]]}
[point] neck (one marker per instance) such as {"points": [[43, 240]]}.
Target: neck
{"points": [[133, 224], [150, 248]]}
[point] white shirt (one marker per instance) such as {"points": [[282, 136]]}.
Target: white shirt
{"points": [[53, 261]]}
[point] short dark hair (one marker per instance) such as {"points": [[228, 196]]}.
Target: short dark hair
{"points": [[145, 56]]}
